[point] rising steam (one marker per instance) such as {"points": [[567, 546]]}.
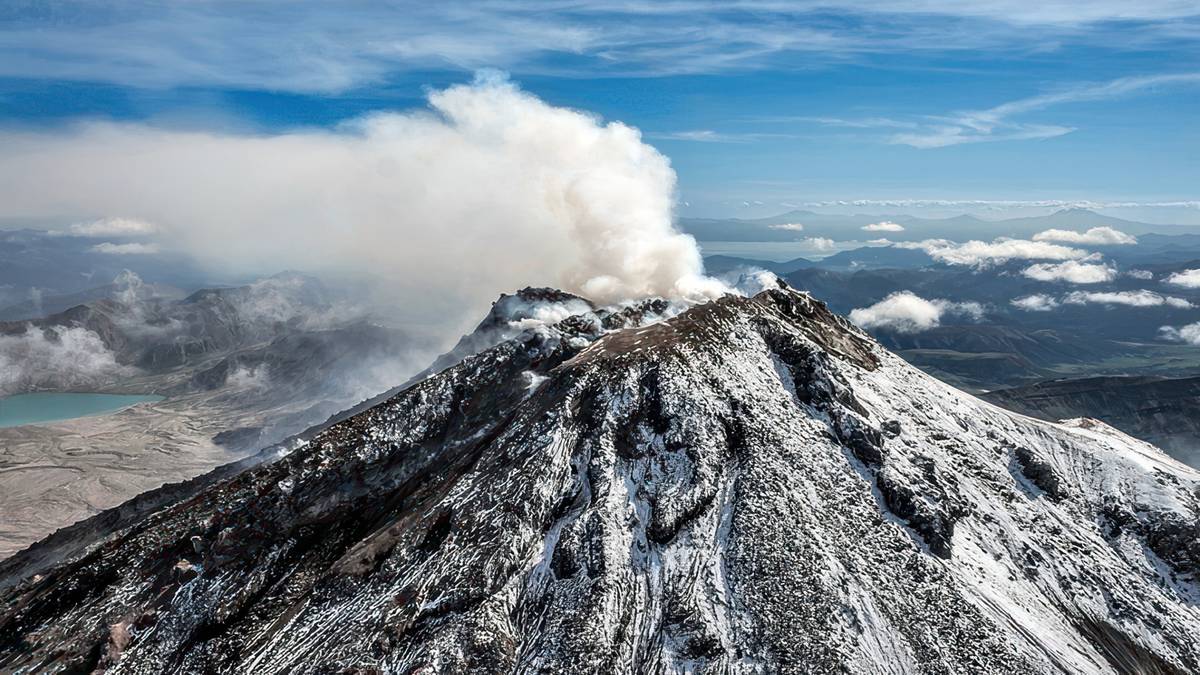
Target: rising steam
{"points": [[488, 190]]}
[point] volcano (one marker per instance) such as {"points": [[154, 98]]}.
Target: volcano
{"points": [[750, 485]]}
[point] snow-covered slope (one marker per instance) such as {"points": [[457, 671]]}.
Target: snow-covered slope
{"points": [[753, 485]]}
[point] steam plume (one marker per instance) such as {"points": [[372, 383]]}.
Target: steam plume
{"points": [[488, 190]]}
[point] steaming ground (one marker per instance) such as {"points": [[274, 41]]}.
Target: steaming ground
{"points": [[241, 367]]}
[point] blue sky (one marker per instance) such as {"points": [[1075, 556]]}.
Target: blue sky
{"points": [[762, 106]]}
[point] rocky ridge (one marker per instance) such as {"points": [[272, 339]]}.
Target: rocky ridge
{"points": [[752, 485]]}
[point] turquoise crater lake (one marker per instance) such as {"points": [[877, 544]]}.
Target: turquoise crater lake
{"points": [[51, 407]]}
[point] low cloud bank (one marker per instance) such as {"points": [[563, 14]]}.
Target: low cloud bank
{"points": [[1189, 334], [1140, 298], [1096, 236], [980, 253], [113, 227], [1186, 279], [1071, 271], [906, 312], [131, 248]]}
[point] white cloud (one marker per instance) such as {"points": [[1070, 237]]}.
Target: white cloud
{"points": [[113, 227], [1144, 275], [793, 227], [1071, 271], [995, 252], [1189, 333], [821, 244], [696, 135], [996, 123], [993, 204], [1186, 278], [318, 46], [132, 248], [849, 123], [944, 135], [541, 195], [884, 226], [1097, 236], [906, 312], [1139, 298], [1035, 303]]}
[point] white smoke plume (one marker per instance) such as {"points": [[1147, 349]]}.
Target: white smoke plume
{"points": [[57, 358], [488, 190], [246, 377], [906, 312]]}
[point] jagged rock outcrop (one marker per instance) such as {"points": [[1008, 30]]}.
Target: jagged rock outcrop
{"points": [[752, 485]]}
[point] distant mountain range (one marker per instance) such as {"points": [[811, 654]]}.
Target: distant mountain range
{"points": [[37, 266], [1115, 352]]}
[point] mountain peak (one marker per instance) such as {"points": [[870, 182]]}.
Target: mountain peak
{"points": [[750, 485]]}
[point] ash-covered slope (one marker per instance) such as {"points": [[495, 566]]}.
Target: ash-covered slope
{"points": [[1160, 410], [751, 486]]}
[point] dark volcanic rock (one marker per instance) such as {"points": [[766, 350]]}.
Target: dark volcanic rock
{"points": [[750, 486]]}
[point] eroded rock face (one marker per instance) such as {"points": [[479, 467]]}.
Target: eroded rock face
{"points": [[750, 486]]}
